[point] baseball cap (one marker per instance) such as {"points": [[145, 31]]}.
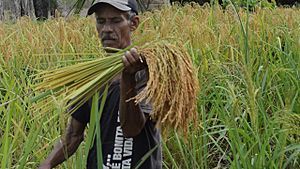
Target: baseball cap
{"points": [[123, 5]]}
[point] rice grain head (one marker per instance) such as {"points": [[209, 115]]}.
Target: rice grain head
{"points": [[172, 86]]}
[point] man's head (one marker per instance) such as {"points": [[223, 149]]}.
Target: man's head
{"points": [[116, 19]]}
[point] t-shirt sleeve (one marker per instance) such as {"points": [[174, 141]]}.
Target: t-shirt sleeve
{"points": [[141, 78], [82, 114]]}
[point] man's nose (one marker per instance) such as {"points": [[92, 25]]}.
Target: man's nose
{"points": [[107, 28]]}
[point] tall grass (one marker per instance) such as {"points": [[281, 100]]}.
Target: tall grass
{"points": [[249, 111]]}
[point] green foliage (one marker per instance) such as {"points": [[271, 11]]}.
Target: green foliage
{"points": [[251, 4]]}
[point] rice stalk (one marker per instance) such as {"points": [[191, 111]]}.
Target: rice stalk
{"points": [[171, 89]]}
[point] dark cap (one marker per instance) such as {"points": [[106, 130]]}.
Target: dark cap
{"points": [[123, 5]]}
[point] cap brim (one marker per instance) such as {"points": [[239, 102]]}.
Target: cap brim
{"points": [[119, 6]]}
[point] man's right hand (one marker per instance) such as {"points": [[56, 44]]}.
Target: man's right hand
{"points": [[45, 166], [72, 139]]}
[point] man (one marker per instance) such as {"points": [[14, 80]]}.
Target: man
{"points": [[127, 132]]}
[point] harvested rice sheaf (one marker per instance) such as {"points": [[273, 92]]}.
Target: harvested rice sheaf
{"points": [[172, 86], [171, 89]]}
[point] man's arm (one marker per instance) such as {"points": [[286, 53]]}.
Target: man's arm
{"points": [[66, 146], [132, 118]]}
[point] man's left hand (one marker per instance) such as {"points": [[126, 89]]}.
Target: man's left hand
{"points": [[133, 62]]}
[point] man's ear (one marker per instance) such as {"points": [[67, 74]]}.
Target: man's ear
{"points": [[134, 23]]}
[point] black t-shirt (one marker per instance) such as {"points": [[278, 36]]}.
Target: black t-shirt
{"points": [[119, 152]]}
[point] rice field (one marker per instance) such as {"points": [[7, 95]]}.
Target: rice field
{"points": [[248, 67]]}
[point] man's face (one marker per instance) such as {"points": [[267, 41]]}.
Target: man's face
{"points": [[113, 26]]}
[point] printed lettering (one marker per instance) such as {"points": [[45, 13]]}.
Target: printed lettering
{"points": [[118, 147], [119, 132], [119, 142], [108, 160], [118, 119], [128, 147], [115, 165], [118, 150], [126, 164], [117, 156]]}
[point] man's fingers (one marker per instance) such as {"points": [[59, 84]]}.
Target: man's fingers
{"points": [[134, 53], [131, 59], [133, 62], [142, 59], [125, 61]]}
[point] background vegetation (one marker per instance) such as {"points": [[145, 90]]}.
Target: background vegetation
{"points": [[43, 9], [248, 68]]}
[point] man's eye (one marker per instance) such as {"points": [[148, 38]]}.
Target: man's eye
{"points": [[117, 20], [100, 21]]}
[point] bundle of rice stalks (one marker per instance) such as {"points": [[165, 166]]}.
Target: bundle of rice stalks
{"points": [[70, 87], [172, 86], [171, 89]]}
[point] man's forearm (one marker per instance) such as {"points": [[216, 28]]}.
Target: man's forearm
{"points": [[131, 117], [62, 150], [66, 147]]}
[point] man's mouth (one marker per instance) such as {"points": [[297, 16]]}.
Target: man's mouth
{"points": [[108, 39], [108, 42]]}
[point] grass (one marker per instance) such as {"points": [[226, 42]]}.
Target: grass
{"points": [[248, 111]]}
